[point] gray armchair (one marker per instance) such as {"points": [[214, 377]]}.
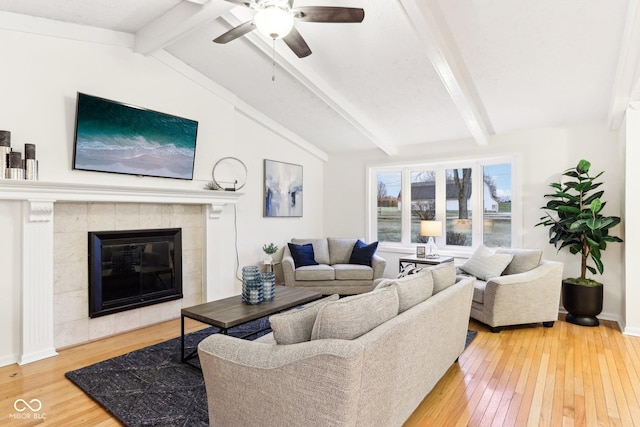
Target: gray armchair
{"points": [[527, 292]]}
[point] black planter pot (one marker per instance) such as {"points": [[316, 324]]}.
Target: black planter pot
{"points": [[583, 303]]}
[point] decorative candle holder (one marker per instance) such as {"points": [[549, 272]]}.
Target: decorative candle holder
{"points": [[5, 138], [4, 160], [5, 149], [14, 173], [268, 285], [30, 169], [252, 292]]}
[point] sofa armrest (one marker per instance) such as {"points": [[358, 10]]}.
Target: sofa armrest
{"points": [[288, 269], [378, 264], [252, 384], [528, 297]]}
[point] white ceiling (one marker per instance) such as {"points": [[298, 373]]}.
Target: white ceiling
{"points": [[413, 71]]}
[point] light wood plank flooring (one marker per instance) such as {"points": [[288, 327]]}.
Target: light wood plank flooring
{"points": [[563, 376]]}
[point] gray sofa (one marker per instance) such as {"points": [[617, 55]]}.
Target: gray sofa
{"points": [[333, 274], [353, 371]]}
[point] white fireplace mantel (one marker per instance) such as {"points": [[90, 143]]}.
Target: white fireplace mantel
{"points": [[37, 191], [39, 198]]}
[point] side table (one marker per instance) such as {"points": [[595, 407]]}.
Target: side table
{"points": [[412, 259]]}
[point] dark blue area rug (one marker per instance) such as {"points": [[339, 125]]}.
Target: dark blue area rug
{"points": [[152, 387]]}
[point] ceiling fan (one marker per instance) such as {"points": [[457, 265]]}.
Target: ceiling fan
{"points": [[275, 18]]}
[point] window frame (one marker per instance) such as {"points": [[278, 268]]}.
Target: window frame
{"points": [[477, 205]]}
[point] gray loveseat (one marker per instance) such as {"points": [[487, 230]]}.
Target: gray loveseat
{"points": [[333, 274], [370, 361]]}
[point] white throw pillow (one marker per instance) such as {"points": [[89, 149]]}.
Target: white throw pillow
{"points": [[486, 264]]}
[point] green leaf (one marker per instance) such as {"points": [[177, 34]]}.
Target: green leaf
{"points": [[598, 263], [591, 269], [569, 209], [583, 186], [595, 206], [583, 166], [594, 224]]}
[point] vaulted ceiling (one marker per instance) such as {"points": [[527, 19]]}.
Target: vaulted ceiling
{"points": [[414, 71]]}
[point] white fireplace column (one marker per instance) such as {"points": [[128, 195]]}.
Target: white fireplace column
{"points": [[37, 282]]}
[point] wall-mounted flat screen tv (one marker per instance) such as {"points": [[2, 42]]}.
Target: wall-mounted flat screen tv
{"points": [[120, 138]]}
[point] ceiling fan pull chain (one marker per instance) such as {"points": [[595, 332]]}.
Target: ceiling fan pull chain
{"points": [[273, 69]]}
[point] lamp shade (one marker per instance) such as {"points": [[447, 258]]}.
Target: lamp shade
{"points": [[431, 228], [273, 22]]}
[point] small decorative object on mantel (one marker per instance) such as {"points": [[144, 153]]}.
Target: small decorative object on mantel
{"points": [[5, 149], [15, 170], [30, 162], [12, 166], [252, 291], [229, 174]]}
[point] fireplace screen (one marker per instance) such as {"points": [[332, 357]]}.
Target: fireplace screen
{"points": [[134, 268]]}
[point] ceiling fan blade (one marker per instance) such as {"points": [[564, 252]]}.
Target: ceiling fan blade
{"points": [[328, 14], [297, 44], [236, 32]]}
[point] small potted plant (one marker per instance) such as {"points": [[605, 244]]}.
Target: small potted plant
{"points": [[575, 220], [269, 250]]}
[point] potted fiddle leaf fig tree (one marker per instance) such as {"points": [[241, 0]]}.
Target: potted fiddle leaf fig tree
{"points": [[576, 222]]}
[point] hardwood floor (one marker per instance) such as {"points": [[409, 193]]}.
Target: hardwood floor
{"points": [[563, 376]]}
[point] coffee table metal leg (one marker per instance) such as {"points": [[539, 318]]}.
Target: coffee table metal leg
{"points": [[182, 339]]}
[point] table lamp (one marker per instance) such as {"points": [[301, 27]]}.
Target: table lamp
{"points": [[431, 229]]}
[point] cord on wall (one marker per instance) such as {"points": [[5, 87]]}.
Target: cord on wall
{"points": [[235, 228]]}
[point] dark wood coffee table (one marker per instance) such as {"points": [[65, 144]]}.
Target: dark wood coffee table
{"points": [[229, 312]]}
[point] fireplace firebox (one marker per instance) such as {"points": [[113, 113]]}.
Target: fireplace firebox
{"points": [[133, 268]]}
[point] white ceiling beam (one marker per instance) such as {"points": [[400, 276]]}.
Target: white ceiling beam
{"points": [[430, 26], [178, 22], [626, 84], [319, 87]]}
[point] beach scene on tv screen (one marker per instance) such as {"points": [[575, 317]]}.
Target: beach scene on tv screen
{"points": [[114, 137]]}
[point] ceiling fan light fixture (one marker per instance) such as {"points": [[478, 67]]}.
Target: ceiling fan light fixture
{"points": [[273, 22]]}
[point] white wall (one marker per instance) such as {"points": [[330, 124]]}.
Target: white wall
{"points": [[543, 154], [39, 79], [632, 231]]}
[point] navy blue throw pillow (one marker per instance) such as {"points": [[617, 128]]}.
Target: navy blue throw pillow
{"points": [[302, 254], [362, 253]]}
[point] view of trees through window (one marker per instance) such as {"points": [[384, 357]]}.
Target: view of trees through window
{"points": [[388, 211], [447, 194]]}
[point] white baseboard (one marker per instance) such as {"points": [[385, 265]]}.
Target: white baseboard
{"points": [[8, 359]]}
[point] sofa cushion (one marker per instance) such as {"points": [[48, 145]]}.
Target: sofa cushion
{"points": [[351, 317], [485, 264], [444, 275], [302, 254], [412, 289], [315, 272], [353, 272], [340, 250], [320, 249], [362, 253], [523, 260], [295, 326]]}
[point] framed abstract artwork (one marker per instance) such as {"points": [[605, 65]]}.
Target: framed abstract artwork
{"points": [[282, 189]]}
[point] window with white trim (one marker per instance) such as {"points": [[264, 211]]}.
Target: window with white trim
{"points": [[473, 199]]}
